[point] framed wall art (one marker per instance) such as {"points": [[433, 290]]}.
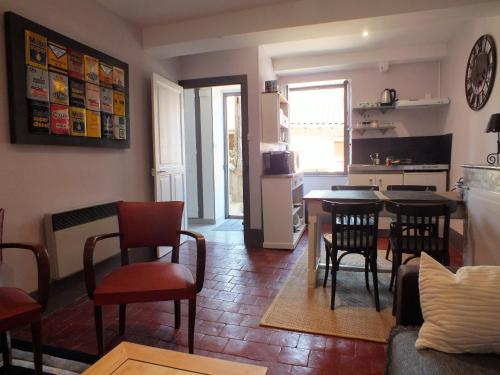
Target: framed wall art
{"points": [[62, 92]]}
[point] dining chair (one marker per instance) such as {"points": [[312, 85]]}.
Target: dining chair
{"points": [[146, 224], [355, 187], [422, 234], [405, 188], [354, 231], [18, 308]]}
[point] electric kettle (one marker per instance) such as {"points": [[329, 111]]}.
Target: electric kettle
{"points": [[388, 97]]}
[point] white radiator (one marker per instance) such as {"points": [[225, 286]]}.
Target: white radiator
{"points": [[66, 233]]}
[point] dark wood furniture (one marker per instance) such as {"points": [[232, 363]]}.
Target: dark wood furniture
{"points": [[416, 229], [405, 188], [146, 224], [18, 308], [355, 187], [354, 231]]}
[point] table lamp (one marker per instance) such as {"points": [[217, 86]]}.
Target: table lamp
{"points": [[494, 127]]}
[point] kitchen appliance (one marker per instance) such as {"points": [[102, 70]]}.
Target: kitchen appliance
{"points": [[375, 158], [388, 97], [280, 162]]}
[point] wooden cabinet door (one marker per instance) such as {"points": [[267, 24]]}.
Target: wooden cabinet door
{"points": [[384, 179], [362, 179], [437, 179]]}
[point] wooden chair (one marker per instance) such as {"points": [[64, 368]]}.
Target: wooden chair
{"points": [[355, 187], [18, 308], [405, 188], [146, 224], [354, 231], [423, 234]]}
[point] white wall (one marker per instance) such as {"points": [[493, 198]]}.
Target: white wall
{"points": [[191, 155], [207, 153], [218, 150], [412, 80], [236, 62], [470, 143], [40, 179]]}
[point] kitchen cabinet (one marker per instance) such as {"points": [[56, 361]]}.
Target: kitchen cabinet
{"points": [[283, 210], [274, 118], [438, 179], [380, 179]]}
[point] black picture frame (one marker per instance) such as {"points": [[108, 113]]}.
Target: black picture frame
{"points": [[20, 133]]}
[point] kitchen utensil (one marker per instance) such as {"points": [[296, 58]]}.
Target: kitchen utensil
{"points": [[388, 97], [388, 161]]}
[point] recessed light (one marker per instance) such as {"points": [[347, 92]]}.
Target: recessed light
{"points": [[365, 33]]}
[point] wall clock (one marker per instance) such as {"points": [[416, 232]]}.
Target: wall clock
{"points": [[480, 72]]}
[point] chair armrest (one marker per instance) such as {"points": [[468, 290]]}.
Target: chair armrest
{"points": [[408, 312], [88, 260], [200, 257], [42, 261]]}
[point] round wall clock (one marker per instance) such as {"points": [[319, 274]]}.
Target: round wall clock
{"points": [[480, 73]]}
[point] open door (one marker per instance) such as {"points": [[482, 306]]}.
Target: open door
{"points": [[169, 170]]}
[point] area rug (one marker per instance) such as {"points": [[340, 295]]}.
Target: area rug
{"points": [[299, 308], [56, 361], [230, 225]]}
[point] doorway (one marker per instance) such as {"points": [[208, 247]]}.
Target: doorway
{"points": [[216, 119]]}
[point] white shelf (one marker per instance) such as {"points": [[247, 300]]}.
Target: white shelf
{"points": [[406, 104], [382, 128], [295, 210]]}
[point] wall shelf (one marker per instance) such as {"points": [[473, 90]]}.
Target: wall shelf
{"points": [[382, 128], [405, 104]]}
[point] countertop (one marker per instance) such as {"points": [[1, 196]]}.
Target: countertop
{"points": [[369, 168]]}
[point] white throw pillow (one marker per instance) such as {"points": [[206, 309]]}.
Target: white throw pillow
{"points": [[461, 311]]}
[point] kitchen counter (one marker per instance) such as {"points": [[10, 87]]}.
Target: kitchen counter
{"points": [[369, 168]]}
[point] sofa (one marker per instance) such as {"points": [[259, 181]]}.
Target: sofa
{"points": [[403, 358]]}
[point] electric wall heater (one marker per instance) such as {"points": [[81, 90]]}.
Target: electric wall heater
{"points": [[66, 233]]}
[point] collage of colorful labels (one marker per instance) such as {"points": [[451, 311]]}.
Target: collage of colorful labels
{"points": [[71, 93]]}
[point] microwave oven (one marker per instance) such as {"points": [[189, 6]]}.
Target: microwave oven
{"points": [[281, 162]]}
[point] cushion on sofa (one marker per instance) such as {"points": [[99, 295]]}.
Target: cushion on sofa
{"points": [[461, 311]]}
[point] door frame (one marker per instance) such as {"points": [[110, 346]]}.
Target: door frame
{"points": [[243, 82], [226, 152]]}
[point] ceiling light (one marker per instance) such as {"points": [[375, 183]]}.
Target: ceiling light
{"points": [[365, 33]]}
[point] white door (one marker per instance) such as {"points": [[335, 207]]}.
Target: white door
{"points": [[437, 179], [362, 179], [169, 170]]}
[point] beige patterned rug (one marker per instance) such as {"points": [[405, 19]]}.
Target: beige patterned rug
{"points": [[299, 308]]}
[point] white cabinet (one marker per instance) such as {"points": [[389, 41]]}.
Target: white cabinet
{"points": [[283, 210], [274, 118], [438, 179], [381, 179]]}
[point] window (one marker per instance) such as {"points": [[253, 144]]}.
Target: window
{"points": [[317, 125]]}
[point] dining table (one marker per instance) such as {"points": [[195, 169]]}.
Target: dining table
{"points": [[316, 216]]}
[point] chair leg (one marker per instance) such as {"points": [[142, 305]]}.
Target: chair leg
{"points": [[177, 314], [98, 330], [5, 349], [122, 319], [396, 262], [327, 268], [388, 250], [373, 266], [36, 331], [335, 268], [192, 316], [367, 263]]}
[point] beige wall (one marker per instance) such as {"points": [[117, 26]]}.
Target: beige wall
{"points": [[470, 143], [35, 180]]}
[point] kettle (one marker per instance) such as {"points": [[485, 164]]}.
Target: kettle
{"points": [[388, 97]]}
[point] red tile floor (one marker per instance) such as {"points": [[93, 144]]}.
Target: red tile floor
{"points": [[239, 285]]}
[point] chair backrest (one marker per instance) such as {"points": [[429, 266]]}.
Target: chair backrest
{"points": [[355, 187], [411, 187], [149, 224], [1, 231], [417, 226], [354, 225]]}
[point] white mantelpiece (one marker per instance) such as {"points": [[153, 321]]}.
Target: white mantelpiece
{"points": [[482, 197]]}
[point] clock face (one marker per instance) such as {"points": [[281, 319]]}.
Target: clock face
{"points": [[480, 73]]}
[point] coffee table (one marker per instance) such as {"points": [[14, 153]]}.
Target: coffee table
{"points": [[128, 358]]}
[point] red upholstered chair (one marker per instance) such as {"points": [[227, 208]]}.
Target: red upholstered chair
{"points": [[146, 224], [18, 309]]}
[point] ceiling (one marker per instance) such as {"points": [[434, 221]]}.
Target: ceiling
{"points": [[145, 13]]}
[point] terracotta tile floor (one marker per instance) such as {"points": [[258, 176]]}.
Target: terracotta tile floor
{"points": [[240, 284]]}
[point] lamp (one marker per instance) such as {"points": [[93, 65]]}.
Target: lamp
{"points": [[494, 127]]}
